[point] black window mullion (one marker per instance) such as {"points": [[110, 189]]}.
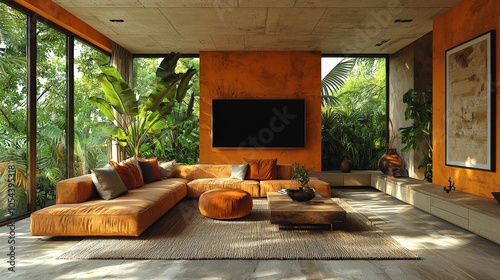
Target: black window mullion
{"points": [[70, 105]]}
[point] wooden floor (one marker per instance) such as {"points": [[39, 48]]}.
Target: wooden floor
{"points": [[447, 252]]}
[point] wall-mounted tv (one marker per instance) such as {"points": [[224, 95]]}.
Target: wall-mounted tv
{"points": [[258, 123]]}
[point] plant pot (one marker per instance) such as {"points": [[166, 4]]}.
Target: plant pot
{"points": [[390, 159], [496, 195], [346, 165]]}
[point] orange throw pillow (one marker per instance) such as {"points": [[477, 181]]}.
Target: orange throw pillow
{"points": [[262, 169], [129, 173]]}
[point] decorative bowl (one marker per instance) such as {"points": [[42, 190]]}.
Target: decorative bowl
{"points": [[303, 194]]}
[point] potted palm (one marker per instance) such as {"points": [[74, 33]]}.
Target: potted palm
{"points": [[133, 118]]}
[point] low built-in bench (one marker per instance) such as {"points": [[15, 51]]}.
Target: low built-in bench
{"points": [[477, 214]]}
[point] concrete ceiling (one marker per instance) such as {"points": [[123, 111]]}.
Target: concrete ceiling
{"points": [[329, 26]]}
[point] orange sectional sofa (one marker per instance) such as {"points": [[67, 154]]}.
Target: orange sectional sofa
{"points": [[79, 211]]}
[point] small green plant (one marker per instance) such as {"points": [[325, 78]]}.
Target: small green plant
{"points": [[300, 174]]}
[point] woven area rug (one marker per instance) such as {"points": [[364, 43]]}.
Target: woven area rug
{"points": [[183, 233]]}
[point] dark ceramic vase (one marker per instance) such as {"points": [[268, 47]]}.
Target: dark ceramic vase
{"points": [[390, 159], [496, 195], [301, 194], [346, 165]]}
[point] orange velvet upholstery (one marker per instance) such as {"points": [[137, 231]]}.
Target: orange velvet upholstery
{"points": [[75, 190], [204, 177], [225, 204], [198, 186], [127, 215], [79, 211], [261, 169]]}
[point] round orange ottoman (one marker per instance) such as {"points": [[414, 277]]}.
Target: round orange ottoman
{"points": [[225, 204]]}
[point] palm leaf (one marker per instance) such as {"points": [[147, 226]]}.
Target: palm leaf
{"points": [[117, 91], [334, 80], [104, 106], [162, 90], [167, 65], [184, 84]]}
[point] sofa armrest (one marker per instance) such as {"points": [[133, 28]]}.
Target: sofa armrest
{"points": [[75, 190]]}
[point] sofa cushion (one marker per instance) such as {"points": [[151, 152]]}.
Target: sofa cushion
{"points": [[191, 172], [239, 171], [127, 215], [107, 182], [166, 168], [198, 186], [262, 169], [75, 190], [129, 173], [136, 163], [150, 170]]}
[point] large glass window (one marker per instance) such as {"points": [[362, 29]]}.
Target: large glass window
{"points": [[13, 113], [51, 79], [180, 141], [354, 111], [90, 143], [62, 75]]}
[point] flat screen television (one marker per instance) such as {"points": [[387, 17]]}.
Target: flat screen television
{"points": [[258, 123]]}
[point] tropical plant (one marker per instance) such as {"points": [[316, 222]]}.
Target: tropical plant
{"points": [[300, 174], [334, 80], [134, 118], [181, 140], [355, 127], [418, 136]]}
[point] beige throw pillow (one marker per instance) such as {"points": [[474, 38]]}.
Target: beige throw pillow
{"points": [[166, 168], [239, 171]]}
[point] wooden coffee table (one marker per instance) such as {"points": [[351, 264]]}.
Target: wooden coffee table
{"points": [[321, 210]]}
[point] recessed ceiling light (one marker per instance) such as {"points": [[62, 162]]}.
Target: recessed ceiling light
{"points": [[116, 20], [381, 42], [403, 20]]}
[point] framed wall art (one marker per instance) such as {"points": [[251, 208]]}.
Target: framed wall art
{"points": [[470, 103]]}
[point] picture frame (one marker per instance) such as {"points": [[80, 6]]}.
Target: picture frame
{"points": [[470, 103]]}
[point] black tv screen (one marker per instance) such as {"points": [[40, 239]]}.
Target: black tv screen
{"points": [[258, 123]]}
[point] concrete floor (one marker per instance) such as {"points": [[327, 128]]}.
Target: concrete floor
{"points": [[447, 252]]}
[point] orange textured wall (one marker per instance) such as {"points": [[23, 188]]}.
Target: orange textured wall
{"points": [[63, 18], [262, 75], [467, 20]]}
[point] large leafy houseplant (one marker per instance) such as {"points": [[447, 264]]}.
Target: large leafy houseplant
{"points": [[418, 136], [133, 118]]}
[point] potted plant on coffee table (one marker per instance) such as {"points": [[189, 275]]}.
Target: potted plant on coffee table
{"points": [[303, 193]]}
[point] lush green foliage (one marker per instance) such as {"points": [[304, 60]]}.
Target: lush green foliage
{"points": [[334, 80], [418, 136], [355, 126], [181, 140], [134, 119], [51, 132]]}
